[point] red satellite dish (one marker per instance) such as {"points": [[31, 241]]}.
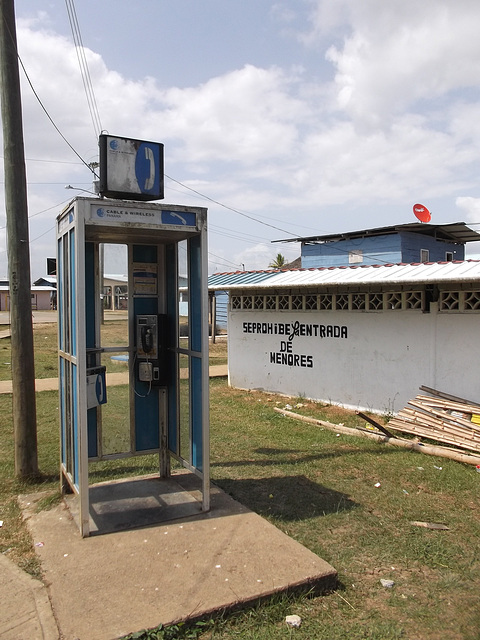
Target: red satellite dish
{"points": [[422, 213]]}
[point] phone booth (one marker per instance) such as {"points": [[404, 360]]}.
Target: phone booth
{"points": [[163, 411]]}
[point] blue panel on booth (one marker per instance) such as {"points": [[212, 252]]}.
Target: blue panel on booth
{"points": [[60, 292], [89, 295], [73, 294], [76, 434], [92, 432], [147, 431], [197, 414], [63, 419]]}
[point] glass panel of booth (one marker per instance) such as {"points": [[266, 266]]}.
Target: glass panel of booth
{"points": [[183, 295], [114, 339], [116, 437], [183, 358]]}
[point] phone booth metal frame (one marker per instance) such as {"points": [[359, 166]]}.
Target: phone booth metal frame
{"points": [[152, 233]]}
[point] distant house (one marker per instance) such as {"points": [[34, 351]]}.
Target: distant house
{"points": [[115, 291], [48, 283], [405, 243], [43, 297]]}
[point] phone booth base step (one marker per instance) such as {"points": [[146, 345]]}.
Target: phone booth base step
{"points": [[135, 503]]}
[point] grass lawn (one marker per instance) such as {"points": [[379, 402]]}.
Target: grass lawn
{"points": [[320, 488]]}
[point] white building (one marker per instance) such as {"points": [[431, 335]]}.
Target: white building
{"points": [[362, 337]]}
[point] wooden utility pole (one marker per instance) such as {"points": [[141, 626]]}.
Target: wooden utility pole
{"points": [[18, 247]]}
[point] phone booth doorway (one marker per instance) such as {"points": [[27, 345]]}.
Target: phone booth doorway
{"points": [[161, 409]]}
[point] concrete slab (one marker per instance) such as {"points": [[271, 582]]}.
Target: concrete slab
{"points": [[106, 586]]}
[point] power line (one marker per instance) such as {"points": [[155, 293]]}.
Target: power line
{"points": [[50, 161], [37, 184], [33, 215], [84, 71], [240, 213], [202, 195], [244, 237], [51, 119], [170, 188], [225, 260], [43, 234]]}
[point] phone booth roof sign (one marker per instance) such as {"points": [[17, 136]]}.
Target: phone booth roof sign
{"points": [[131, 169]]}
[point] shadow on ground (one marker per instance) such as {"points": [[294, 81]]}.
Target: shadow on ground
{"points": [[291, 498], [278, 457]]}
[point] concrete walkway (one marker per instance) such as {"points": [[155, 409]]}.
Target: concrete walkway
{"points": [[113, 379], [25, 609]]}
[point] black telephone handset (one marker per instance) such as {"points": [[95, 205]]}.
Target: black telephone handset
{"points": [[147, 339]]}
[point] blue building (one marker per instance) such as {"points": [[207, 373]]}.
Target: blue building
{"points": [[405, 243]]}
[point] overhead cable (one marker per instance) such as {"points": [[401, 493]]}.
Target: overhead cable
{"points": [[51, 119], [83, 64], [240, 213]]}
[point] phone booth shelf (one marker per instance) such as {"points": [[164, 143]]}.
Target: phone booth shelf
{"points": [[165, 414]]}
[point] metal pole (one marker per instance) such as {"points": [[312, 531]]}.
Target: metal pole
{"points": [[214, 316], [101, 278], [23, 369]]}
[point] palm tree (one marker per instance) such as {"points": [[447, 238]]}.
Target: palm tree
{"points": [[278, 263]]}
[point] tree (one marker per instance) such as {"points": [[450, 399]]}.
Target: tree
{"points": [[278, 263]]}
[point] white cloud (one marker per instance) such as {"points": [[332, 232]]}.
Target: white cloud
{"points": [[248, 115], [470, 206], [261, 255], [342, 166], [394, 55], [258, 130], [471, 212], [392, 126]]}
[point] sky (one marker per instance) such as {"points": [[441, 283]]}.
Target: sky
{"points": [[285, 119]]}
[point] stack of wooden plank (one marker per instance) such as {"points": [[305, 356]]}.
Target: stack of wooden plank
{"points": [[441, 417]]}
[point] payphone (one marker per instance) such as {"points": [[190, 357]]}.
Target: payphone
{"points": [[150, 329]]}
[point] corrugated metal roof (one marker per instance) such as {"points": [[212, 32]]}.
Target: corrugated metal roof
{"points": [[117, 277], [415, 273], [218, 280], [452, 231], [50, 279]]}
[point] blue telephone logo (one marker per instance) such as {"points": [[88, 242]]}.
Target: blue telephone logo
{"points": [[147, 168]]}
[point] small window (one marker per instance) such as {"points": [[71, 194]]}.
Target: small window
{"points": [[424, 255], [449, 256], [355, 256]]}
